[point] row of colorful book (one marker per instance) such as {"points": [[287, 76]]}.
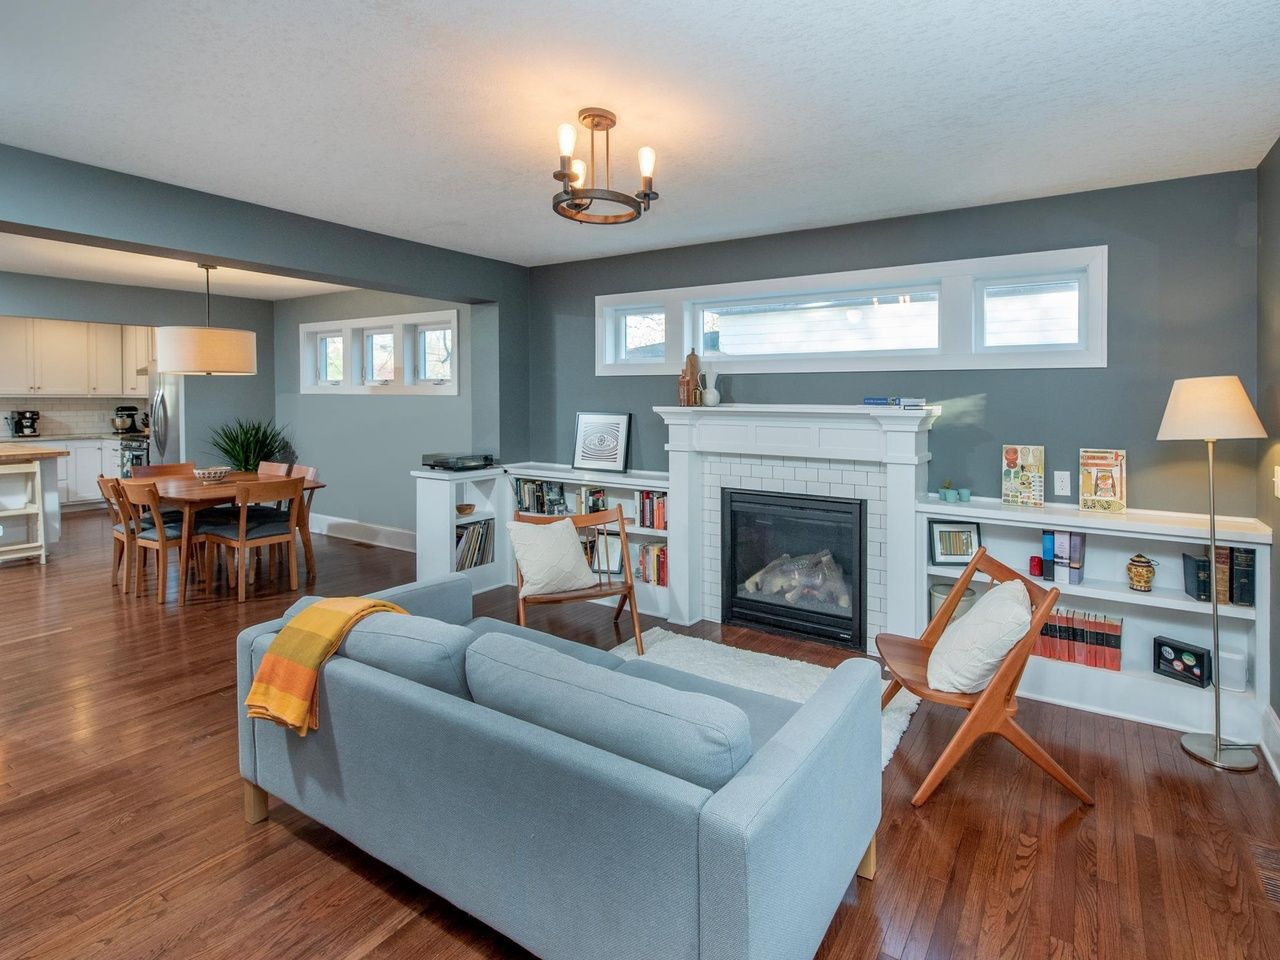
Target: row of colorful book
{"points": [[651, 509], [473, 544], [651, 564], [1235, 580], [1088, 639], [1062, 552], [539, 496]]}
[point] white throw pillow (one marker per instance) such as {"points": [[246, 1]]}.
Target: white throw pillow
{"points": [[550, 557], [972, 648]]}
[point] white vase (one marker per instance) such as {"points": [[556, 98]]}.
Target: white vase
{"points": [[710, 395]]}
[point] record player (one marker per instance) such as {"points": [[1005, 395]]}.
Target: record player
{"points": [[457, 461]]}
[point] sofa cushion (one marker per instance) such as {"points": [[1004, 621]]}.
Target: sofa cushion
{"points": [[579, 651], [766, 714], [692, 736], [426, 651]]}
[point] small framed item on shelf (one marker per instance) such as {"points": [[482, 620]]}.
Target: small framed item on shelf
{"points": [[1182, 661], [601, 442], [1022, 475], [1102, 481], [605, 554], [953, 544]]}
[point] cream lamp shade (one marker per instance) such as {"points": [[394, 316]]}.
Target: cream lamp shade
{"points": [[1209, 408], [206, 350]]}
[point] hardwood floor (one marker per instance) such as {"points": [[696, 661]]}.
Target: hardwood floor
{"points": [[121, 832]]}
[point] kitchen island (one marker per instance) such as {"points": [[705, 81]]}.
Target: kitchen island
{"points": [[13, 490]]}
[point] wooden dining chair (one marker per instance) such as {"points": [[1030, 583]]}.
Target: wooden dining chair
{"points": [[122, 532], [990, 711], [268, 468], [162, 470], [598, 527], [242, 533], [153, 533]]}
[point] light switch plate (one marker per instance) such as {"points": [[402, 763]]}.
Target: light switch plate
{"points": [[1062, 483]]}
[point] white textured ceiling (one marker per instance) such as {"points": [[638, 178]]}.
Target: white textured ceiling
{"points": [[436, 121], [52, 258]]}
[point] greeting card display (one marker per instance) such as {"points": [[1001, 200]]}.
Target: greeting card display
{"points": [[1102, 481], [1022, 475]]}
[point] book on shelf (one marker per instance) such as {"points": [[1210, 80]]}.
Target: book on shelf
{"points": [[592, 499], [1089, 639], [909, 403], [473, 544], [539, 496], [651, 509], [1047, 543], [651, 564], [1062, 552], [1233, 575]]}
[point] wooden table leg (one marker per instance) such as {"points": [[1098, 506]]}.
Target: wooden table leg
{"points": [[184, 552], [304, 528]]}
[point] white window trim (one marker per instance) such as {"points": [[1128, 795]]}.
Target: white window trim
{"points": [[405, 327], [959, 314]]}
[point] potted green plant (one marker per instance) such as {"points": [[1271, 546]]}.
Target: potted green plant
{"points": [[246, 443]]}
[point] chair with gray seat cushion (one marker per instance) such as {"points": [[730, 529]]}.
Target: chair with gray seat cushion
{"points": [[246, 533], [151, 533]]}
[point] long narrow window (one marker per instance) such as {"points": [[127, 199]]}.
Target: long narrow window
{"points": [[414, 353], [1029, 310]]}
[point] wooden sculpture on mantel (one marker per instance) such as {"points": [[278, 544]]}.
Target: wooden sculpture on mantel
{"points": [[689, 393]]}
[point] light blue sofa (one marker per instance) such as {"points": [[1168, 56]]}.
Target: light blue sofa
{"points": [[584, 806]]}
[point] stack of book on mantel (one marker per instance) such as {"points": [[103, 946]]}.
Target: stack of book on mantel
{"points": [[905, 403]]}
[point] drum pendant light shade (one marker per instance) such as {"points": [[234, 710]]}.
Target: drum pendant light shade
{"points": [[206, 350]]}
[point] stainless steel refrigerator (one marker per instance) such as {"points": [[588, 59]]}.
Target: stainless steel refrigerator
{"points": [[167, 442]]}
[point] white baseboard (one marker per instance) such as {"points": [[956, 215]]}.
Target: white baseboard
{"points": [[361, 532], [1271, 741]]}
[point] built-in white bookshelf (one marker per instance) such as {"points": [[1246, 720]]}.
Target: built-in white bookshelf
{"points": [[1013, 535], [492, 491]]}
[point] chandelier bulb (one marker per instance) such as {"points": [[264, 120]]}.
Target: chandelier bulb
{"points": [[568, 137], [579, 178], [648, 159]]}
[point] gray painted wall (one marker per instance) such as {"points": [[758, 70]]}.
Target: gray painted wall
{"points": [[1269, 373], [208, 401], [47, 196], [1182, 302], [365, 446]]}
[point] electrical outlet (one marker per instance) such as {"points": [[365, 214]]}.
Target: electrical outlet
{"points": [[1062, 483]]}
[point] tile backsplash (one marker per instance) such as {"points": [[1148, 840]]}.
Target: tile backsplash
{"points": [[66, 417]]}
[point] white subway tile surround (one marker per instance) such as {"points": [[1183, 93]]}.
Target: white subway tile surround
{"points": [[875, 454]]}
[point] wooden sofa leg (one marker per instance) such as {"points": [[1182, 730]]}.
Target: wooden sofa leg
{"points": [[867, 868], [255, 803]]}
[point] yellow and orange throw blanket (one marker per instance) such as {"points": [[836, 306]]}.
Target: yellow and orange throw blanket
{"points": [[285, 687]]}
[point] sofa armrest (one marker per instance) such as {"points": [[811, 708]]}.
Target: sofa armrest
{"points": [[446, 598], [779, 843], [246, 665]]}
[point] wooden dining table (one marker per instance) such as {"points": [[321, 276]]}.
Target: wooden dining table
{"points": [[191, 495]]}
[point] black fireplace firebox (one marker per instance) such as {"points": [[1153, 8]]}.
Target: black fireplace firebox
{"points": [[795, 563]]}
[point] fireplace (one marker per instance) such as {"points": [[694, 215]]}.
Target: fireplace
{"points": [[796, 563]]}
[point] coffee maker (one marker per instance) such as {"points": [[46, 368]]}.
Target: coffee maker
{"points": [[24, 423]]}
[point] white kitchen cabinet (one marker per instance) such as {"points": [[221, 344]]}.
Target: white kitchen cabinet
{"points": [[135, 353], [82, 472], [16, 373], [106, 372], [61, 358]]}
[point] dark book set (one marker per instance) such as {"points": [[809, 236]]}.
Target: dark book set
{"points": [[1235, 575], [1088, 639]]}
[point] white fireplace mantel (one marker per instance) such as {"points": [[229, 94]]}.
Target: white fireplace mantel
{"points": [[894, 439]]}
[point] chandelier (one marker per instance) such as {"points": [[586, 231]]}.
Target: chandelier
{"points": [[207, 350], [581, 199]]}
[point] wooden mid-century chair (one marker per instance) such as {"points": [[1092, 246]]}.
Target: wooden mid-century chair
{"points": [[991, 710], [122, 532], [242, 533], [599, 528], [153, 532], [141, 472]]}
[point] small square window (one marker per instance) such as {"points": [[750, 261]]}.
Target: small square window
{"points": [[379, 357], [435, 354], [1031, 313], [642, 336], [329, 356]]}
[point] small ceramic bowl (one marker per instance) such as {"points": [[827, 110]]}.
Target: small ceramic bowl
{"points": [[212, 474], [465, 509]]}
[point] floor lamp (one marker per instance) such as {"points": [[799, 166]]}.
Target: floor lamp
{"points": [[1212, 409]]}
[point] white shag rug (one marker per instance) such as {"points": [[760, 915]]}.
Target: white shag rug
{"points": [[764, 673]]}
